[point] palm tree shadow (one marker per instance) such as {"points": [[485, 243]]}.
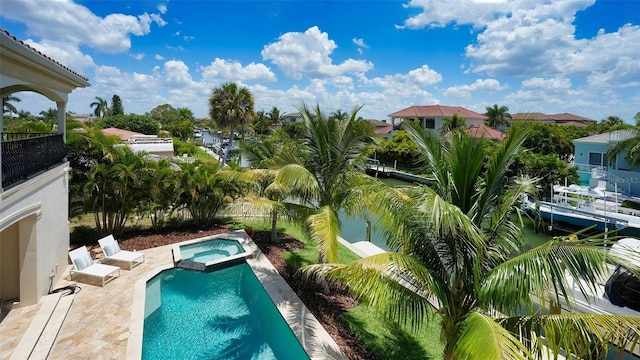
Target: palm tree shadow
{"points": [[396, 343], [240, 335]]}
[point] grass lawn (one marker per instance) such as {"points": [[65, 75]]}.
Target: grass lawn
{"points": [[387, 339]]}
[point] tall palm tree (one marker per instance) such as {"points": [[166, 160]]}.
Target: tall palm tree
{"points": [[458, 254], [231, 106], [497, 116], [453, 123], [324, 175], [7, 105], [339, 115], [101, 107]]}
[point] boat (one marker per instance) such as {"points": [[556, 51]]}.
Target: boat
{"points": [[586, 207], [601, 299]]}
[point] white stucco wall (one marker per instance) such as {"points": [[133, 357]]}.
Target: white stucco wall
{"points": [[40, 207]]}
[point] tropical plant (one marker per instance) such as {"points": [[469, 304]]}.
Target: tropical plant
{"points": [[324, 174], [497, 116], [113, 190], [132, 122], [231, 106], [458, 253], [101, 107], [630, 145], [7, 106], [261, 123], [202, 191], [453, 123]]}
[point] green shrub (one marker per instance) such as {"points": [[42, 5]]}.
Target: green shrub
{"points": [[83, 234]]}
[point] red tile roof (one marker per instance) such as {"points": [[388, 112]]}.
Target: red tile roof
{"points": [[5, 32], [557, 118], [438, 111], [122, 134], [486, 132]]}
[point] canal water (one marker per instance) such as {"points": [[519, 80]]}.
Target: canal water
{"points": [[354, 229]]}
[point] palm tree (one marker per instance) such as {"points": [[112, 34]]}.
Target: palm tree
{"points": [[339, 115], [324, 175], [231, 106], [631, 144], [458, 254], [261, 123], [275, 116], [497, 116], [453, 123], [101, 107], [7, 106]]}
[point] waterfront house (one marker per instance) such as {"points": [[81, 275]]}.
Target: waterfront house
{"points": [[34, 230], [594, 169], [431, 116], [382, 129], [138, 143], [564, 119]]}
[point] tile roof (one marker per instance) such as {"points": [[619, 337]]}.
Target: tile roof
{"points": [[438, 111], [558, 118], [25, 45], [486, 132], [122, 134]]}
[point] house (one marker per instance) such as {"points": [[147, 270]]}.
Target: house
{"points": [[34, 230], [382, 128], [151, 144], [593, 167], [291, 118], [484, 131], [430, 116], [564, 119]]}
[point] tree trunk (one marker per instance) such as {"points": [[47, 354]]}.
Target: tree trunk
{"points": [[274, 229]]}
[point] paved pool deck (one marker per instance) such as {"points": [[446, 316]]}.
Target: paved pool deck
{"points": [[99, 321]]}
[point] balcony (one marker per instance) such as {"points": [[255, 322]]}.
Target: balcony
{"points": [[27, 154]]}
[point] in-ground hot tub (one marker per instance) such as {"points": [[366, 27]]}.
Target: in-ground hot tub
{"points": [[209, 252]]}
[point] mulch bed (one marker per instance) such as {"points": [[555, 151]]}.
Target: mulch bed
{"points": [[327, 308]]}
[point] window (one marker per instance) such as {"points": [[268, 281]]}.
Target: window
{"points": [[429, 123], [596, 159]]}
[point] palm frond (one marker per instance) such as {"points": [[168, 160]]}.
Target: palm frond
{"points": [[325, 229], [480, 337], [397, 284], [577, 334], [548, 267]]}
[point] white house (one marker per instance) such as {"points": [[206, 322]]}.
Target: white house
{"points": [[34, 227]]}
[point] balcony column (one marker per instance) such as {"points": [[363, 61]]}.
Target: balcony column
{"points": [[62, 117]]}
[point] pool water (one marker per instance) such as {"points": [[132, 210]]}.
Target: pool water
{"points": [[225, 314], [209, 250]]}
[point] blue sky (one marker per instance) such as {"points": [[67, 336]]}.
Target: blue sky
{"points": [[575, 56]]}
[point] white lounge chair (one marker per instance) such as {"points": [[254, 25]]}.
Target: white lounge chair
{"points": [[114, 255], [84, 267]]}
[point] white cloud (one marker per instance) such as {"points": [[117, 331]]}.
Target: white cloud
{"points": [[230, 70], [188, 38], [308, 54], [464, 91], [159, 57], [162, 8], [424, 76], [138, 56], [67, 24]]}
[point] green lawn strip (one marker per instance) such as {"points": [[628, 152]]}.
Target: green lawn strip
{"points": [[389, 340], [385, 338]]}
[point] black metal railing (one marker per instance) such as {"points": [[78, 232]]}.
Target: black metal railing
{"points": [[25, 156]]}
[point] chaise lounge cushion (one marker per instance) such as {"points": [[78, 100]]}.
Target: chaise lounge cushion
{"points": [[83, 262]]}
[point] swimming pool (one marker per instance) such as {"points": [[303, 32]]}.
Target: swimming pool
{"points": [[214, 315]]}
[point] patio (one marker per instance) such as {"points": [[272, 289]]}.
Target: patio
{"points": [[97, 325]]}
